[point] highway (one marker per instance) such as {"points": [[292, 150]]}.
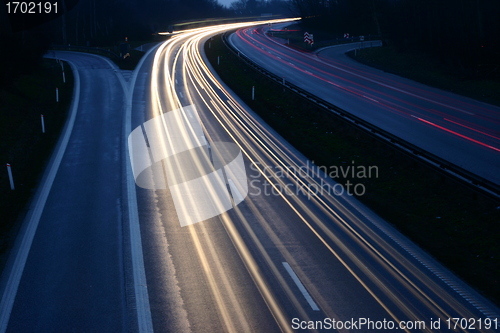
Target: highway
{"points": [[66, 272], [460, 130], [349, 262], [174, 208]]}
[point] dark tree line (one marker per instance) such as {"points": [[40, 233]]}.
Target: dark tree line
{"points": [[21, 52], [100, 22], [93, 23], [259, 7], [356, 17], [465, 33], [106, 23]]}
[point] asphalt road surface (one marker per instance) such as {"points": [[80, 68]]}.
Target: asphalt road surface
{"points": [[262, 242], [74, 276], [458, 129]]}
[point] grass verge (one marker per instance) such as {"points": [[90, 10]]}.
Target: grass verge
{"points": [[22, 143], [455, 224], [430, 71]]}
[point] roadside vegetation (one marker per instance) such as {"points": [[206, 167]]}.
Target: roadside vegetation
{"points": [[22, 143], [453, 222], [459, 34]]}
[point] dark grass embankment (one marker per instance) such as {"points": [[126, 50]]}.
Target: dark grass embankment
{"points": [[430, 71], [455, 224], [22, 143]]}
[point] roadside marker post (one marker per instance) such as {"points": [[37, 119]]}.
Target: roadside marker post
{"points": [[43, 123], [11, 179], [253, 93], [57, 95]]}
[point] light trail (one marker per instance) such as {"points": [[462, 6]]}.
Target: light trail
{"points": [[316, 67], [386, 275], [229, 309]]}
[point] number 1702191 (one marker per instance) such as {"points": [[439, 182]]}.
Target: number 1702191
{"points": [[16, 7]]}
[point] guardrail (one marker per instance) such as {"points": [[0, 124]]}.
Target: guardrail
{"points": [[476, 182]]}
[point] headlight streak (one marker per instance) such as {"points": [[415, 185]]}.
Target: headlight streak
{"points": [[333, 202], [310, 215], [232, 113], [252, 267], [173, 102], [426, 299], [216, 272], [201, 79]]}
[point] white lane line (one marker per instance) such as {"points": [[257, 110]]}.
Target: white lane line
{"points": [[301, 287], [371, 99], [10, 291]]}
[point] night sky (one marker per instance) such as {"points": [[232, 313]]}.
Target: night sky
{"points": [[225, 2]]}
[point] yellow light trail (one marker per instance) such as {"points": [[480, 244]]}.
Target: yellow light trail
{"points": [[183, 50]]}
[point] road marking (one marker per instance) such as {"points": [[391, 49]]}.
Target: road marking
{"points": [[301, 287], [371, 99], [32, 220]]}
